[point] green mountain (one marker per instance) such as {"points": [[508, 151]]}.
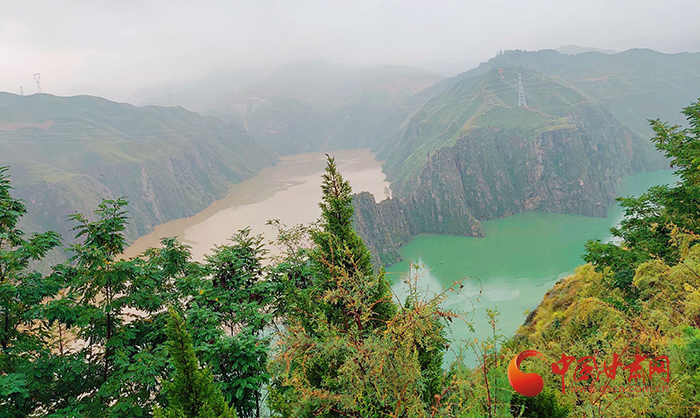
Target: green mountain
{"points": [[634, 85], [68, 153], [312, 105], [471, 153], [468, 152]]}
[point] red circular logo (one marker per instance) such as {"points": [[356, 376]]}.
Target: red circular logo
{"points": [[526, 384]]}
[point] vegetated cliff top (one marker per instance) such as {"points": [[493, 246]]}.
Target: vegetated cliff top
{"points": [[582, 316], [486, 101]]}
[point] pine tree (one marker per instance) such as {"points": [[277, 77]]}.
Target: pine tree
{"points": [[348, 349], [192, 393], [342, 261]]}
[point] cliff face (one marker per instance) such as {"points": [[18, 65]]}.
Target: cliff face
{"points": [[383, 226], [465, 159], [67, 154], [574, 168]]}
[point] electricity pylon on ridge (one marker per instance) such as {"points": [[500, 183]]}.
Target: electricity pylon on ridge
{"points": [[169, 93], [21, 91], [37, 78], [521, 93]]}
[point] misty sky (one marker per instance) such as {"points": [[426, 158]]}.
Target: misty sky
{"points": [[115, 47]]}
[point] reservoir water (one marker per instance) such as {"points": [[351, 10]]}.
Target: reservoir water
{"points": [[513, 266]]}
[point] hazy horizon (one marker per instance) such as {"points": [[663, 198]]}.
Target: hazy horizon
{"points": [[114, 49]]}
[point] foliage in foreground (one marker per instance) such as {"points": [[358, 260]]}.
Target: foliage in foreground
{"points": [[641, 296], [348, 349], [88, 339], [652, 219]]}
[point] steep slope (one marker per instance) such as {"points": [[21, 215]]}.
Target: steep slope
{"points": [[68, 153], [470, 153]]}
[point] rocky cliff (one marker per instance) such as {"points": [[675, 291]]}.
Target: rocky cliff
{"points": [[472, 154]]}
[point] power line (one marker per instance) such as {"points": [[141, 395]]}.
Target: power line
{"points": [[37, 78], [521, 93]]}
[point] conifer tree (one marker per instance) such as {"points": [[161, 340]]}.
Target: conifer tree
{"points": [[341, 259], [192, 393], [348, 349]]}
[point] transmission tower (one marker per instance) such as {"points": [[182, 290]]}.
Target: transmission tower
{"points": [[169, 92], [521, 93], [21, 91], [37, 78]]}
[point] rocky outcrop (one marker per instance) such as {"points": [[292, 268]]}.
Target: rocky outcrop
{"points": [[383, 226], [498, 161]]}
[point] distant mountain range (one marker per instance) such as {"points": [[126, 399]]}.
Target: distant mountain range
{"points": [[575, 49], [68, 153], [312, 105], [197, 95]]}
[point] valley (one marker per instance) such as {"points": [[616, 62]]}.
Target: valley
{"points": [[67, 154], [288, 191]]}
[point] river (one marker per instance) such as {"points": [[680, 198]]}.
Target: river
{"points": [[289, 191]]}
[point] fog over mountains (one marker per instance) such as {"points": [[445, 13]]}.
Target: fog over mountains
{"points": [[111, 50]]}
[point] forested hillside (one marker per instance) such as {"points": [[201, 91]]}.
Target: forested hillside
{"points": [[67, 154]]}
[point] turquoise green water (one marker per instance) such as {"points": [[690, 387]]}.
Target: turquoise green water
{"points": [[520, 258]]}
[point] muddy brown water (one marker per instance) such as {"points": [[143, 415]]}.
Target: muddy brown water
{"points": [[289, 191]]}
